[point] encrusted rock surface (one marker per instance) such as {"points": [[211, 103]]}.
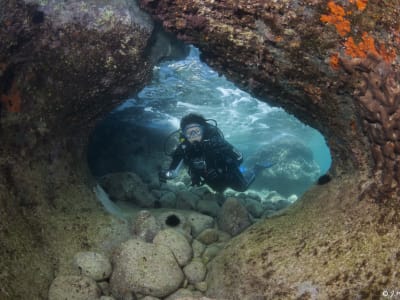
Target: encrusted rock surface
{"points": [[127, 186], [93, 265], [74, 287], [334, 65], [326, 246], [177, 243], [63, 65], [233, 218], [145, 268]]}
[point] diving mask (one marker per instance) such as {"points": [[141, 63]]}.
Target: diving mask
{"points": [[193, 131]]}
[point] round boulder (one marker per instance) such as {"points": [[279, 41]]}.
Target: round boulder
{"points": [[233, 217], [177, 243], [208, 207], [74, 288], [180, 294], [145, 226], [208, 236], [145, 268], [127, 186], [199, 222], [93, 265], [198, 248], [254, 207], [186, 200], [168, 199], [195, 271]]}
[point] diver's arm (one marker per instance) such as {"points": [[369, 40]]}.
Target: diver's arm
{"points": [[173, 173], [177, 157], [175, 165]]}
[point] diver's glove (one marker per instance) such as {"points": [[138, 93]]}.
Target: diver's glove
{"points": [[165, 175], [196, 181], [212, 174]]}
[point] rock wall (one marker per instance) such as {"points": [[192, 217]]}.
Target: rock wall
{"points": [[63, 65], [332, 64], [335, 66]]}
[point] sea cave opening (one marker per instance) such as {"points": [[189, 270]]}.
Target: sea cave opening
{"points": [[131, 145]]}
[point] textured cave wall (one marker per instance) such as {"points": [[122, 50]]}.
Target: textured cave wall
{"points": [[63, 65], [333, 64]]}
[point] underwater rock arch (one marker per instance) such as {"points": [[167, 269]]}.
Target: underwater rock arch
{"points": [[325, 63], [333, 65]]}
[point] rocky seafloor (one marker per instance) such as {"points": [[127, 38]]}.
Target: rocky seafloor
{"points": [[173, 232]]}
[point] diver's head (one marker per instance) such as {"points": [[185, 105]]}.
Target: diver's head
{"points": [[192, 126]]}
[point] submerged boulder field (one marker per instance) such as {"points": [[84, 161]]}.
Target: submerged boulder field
{"points": [[334, 65]]}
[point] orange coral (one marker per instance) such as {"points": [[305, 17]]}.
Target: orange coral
{"points": [[334, 61], [12, 100], [367, 45], [361, 4], [337, 18], [387, 55], [354, 50]]}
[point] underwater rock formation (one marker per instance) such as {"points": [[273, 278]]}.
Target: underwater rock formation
{"points": [[293, 54], [63, 65], [293, 169], [332, 64], [335, 66]]}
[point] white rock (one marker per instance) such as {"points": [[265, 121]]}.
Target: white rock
{"points": [[198, 248], [201, 286], [177, 243], [74, 288], [195, 271], [93, 265], [208, 236], [145, 268], [145, 226], [211, 251], [180, 294], [199, 222]]}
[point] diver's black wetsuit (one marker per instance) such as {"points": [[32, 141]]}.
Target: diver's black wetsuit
{"points": [[212, 161]]}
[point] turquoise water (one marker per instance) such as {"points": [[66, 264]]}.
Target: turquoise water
{"points": [[180, 87]]}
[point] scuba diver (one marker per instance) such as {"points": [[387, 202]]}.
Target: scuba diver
{"points": [[209, 157]]}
